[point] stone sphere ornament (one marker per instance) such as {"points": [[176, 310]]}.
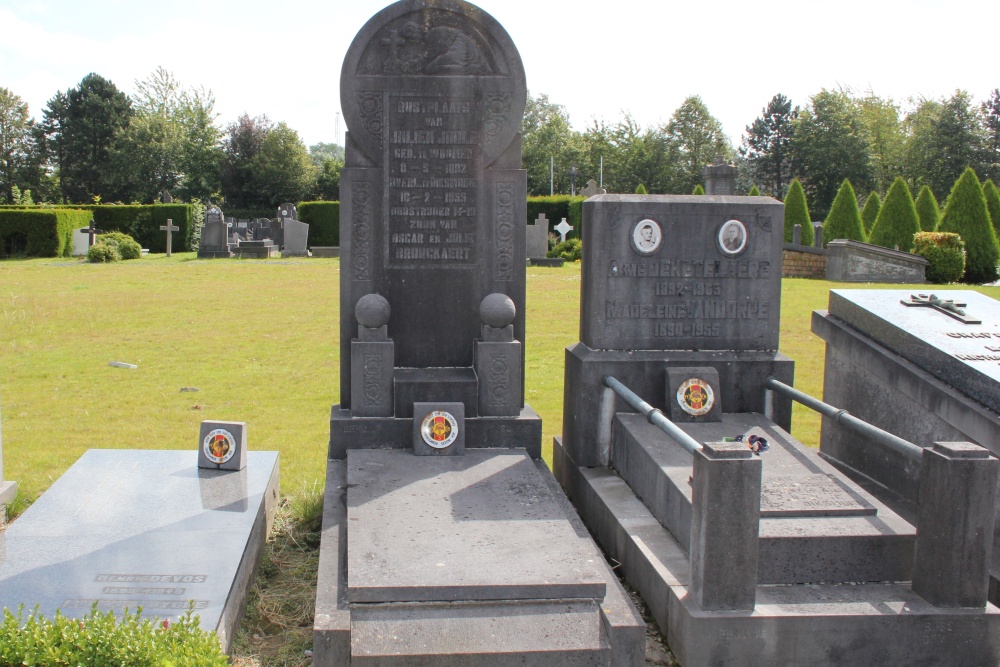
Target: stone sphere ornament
{"points": [[497, 311], [372, 311]]}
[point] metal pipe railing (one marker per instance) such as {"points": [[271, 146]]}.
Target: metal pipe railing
{"points": [[653, 415], [844, 418]]}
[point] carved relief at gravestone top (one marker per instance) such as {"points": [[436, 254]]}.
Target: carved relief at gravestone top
{"points": [[592, 189]]}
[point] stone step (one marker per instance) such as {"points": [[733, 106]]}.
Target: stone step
{"points": [[816, 525], [551, 633]]}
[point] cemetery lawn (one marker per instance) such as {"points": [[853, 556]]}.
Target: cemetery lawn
{"points": [[257, 340], [253, 341]]}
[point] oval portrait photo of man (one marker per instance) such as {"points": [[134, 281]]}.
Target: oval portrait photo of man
{"points": [[733, 237], [647, 237]]}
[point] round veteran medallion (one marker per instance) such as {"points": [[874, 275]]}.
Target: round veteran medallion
{"points": [[439, 429], [219, 445], [695, 397]]}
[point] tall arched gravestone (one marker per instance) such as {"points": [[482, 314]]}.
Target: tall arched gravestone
{"points": [[432, 194]]}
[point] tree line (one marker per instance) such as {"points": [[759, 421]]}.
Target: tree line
{"points": [[835, 135], [95, 143]]}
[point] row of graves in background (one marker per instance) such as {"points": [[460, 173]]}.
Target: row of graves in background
{"points": [[260, 238]]}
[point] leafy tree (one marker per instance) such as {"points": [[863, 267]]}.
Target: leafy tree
{"points": [[328, 180], [945, 137], [321, 152], [829, 145], [698, 190], [966, 214], [886, 139], [844, 219], [695, 139], [797, 213], [548, 141], [631, 156], [51, 138], [767, 141], [16, 143], [991, 122], [992, 204], [754, 192], [870, 211], [96, 114], [897, 220], [242, 143], [641, 189], [928, 211]]}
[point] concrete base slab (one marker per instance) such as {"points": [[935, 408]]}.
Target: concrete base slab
{"points": [[617, 639], [325, 251], [8, 491], [815, 624], [542, 634], [348, 432], [481, 526], [128, 528]]}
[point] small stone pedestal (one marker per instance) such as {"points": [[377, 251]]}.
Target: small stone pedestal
{"points": [[958, 489], [725, 517], [498, 359], [372, 359]]}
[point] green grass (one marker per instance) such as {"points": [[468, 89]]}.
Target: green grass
{"points": [[258, 339]]}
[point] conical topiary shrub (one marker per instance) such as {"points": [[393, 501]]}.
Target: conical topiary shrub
{"points": [[897, 220], [965, 214], [797, 213], [754, 192], [928, 211], [641, 189], [993, 204], [698, 190], [844, 219], [870, 211]]}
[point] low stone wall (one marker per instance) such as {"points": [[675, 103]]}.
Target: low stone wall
{"points": [[799, 261], [855, 262]]}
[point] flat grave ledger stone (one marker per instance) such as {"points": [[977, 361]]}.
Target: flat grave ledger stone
{"points": [[125, 528]]}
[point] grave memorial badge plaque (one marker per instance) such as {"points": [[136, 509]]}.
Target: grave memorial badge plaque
{"points": [[222, 445], [438, 429], [433, 190], [693, 394]]}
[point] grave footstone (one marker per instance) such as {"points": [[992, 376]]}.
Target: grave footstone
{"points": [[435, 491]]}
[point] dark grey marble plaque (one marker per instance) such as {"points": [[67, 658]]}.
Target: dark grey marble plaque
{"points": [[433, 195], [673, 272], [965, 356], [127, 528]]}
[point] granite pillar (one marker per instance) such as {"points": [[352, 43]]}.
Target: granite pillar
{"points": [[725, 493], [958, 488]]}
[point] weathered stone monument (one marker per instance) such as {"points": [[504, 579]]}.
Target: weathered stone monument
{"points": [[853, 261], [592, 189], [215, 241], [537, 237], [748, 547], [445, 539], [920, 365], [720, 177]]}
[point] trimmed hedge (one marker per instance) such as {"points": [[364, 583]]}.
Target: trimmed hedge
{"points": [[897, 220], [870, 211], [844, 219], [323, 218], [966, 214], [992, 203], [945, 253], [141, 222], [928, 210], [557, 207], [40, 232], [797, 213]]}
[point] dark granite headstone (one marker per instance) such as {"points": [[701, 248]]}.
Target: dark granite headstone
{"points": [[433, 195]]}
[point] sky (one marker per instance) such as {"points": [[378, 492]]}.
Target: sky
{"points": [[598, 59]]}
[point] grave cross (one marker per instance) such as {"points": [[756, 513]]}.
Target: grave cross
{"points": [[563, 228], [92, 231], [168, 228], [947, 306], [394, 41], [542, 220]]}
